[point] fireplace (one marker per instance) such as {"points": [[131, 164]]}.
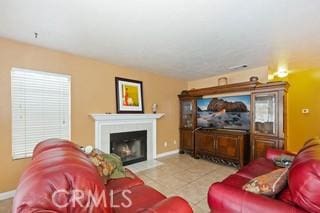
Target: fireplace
{"points": [[107, 124], [130, 146]]}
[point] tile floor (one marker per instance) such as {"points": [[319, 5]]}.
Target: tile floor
{"points": [[178, 175], [5, 206], [187, 177]]}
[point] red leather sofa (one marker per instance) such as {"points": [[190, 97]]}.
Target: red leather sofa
{"points": [[301, 195], [61, 178]]}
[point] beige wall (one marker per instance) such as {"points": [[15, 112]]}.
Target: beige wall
{"points": [[93, 91], [233, 77]]}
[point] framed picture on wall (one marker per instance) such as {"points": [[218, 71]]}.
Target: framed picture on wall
{"points": [[129, 96]]}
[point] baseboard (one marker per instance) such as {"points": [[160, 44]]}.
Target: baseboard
{"points": [[161, 155], [7, 195]]}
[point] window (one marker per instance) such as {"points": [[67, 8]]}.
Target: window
{"points": [[40, 109]]}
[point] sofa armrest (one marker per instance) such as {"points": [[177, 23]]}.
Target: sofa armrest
{"points": [[272, 153], [172, 204], [226, 198]]}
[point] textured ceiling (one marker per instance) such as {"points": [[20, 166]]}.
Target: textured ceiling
{"points": [[183, 38]]}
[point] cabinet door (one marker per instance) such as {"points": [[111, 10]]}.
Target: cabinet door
{"points": [[227, 146], [204, 143], [186, 139], [265, 113], [261, 145], [186, 114]]}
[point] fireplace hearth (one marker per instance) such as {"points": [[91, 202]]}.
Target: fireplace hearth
{"points": [[130, 146]]}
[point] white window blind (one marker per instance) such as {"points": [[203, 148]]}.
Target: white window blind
{"points": [[40, 109]]}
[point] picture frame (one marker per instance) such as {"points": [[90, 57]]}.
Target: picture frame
{"points": [[129, 95]]}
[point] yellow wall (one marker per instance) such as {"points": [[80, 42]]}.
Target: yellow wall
{"points": [[233, 77], [304, 92], [93, 91]]}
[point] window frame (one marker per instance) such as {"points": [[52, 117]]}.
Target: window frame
{"points": [[68, 77]]}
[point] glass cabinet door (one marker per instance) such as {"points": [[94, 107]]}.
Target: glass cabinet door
{"points": [[186, 114], [265, 113]]}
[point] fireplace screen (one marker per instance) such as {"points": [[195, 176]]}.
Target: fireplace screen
{"points": [[130, 146]]}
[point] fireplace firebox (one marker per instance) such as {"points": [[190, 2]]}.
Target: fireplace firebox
{"points": [[130, 146]]}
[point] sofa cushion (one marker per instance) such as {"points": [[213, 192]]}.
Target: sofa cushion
{"points": [[109, 166], [53, 143], [304, 177], [60, 166], [223, 198], [268, 184], [141, 197], [286, 197], [256, 168], [54, 176], [117, 185], [236, 181]]}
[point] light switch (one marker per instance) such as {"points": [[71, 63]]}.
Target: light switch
{"points": [[305, 111]]}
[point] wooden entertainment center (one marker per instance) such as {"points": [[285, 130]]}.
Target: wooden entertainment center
{"points": [[267, 116]]}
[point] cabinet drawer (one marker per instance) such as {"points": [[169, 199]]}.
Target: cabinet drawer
{"points": [[227, 146]]}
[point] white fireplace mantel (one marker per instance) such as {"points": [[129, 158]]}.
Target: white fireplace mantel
{"points": [[106, 124], [108, 117]]}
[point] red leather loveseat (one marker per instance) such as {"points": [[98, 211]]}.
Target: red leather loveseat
{"points": [[61, 178], [301, 195]]}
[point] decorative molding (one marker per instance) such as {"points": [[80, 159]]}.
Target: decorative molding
{"points": [[229, 88], [249, 86], [7, 195], [164, 154]]}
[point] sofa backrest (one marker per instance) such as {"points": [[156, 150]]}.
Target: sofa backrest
{"points": [[304, 177], [60, 178]]}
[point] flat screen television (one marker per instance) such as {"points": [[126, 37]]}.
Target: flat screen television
{"points": [[232, 112]]}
